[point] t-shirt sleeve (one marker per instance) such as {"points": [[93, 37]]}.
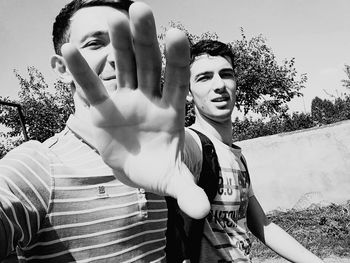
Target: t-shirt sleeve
{"points": [[192, 154], [250, 189], [24, 195]]}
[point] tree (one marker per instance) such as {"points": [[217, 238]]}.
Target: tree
{"points": [[45, 111], [3, 149], [326, 112], [346, 82], [264, 86], [323, 111], [342, 107]]}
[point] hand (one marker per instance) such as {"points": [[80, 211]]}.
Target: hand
{"points": [[139, 129]]}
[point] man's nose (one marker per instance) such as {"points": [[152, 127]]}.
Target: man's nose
{"points": [[110, 56], [219, 84]]}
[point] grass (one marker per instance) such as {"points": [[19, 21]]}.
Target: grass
{"points": [[323, 230]]}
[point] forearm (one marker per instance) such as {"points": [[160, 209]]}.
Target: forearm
{"points": [[6, 235], [286, 246]]}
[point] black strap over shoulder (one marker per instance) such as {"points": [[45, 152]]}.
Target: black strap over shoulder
{"points": [[209, 177], [184, 234]]}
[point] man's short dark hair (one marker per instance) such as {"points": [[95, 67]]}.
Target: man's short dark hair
{"points": [[212, 48], [60, 32]]}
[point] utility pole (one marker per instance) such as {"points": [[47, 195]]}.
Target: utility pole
{"points": [[20, 114]]}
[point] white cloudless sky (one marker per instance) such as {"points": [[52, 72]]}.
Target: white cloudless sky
{"points": [[315, 32]]}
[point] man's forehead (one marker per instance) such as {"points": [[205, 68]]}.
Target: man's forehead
{"points": [[114, 1], [95, 12], [206, 61], [90, 19]]}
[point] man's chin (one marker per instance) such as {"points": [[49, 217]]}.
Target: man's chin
{"points": [[111, 85], [220, 118]]}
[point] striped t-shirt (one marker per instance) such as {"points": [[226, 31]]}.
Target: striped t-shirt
{"points": [[59, 202], [225, 234]]}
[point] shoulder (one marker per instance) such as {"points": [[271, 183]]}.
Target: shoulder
{"points": [[27, 161], [192, 139], [238, 151], [192, 154], [29, 150]]}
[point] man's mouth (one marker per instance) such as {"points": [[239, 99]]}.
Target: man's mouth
{"points": [[220, 99], [105, 76], [108, 78], [109, 81]]}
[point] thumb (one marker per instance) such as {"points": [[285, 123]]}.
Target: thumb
{"points": [[191, 198], [193, 201]]}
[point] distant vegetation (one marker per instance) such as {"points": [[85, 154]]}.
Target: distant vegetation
{"points": [[322, 112], [264, 87]]}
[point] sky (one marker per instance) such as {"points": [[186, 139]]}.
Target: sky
{"points": [[314, 32]]}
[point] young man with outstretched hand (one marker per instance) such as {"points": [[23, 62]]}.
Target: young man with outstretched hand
{"points": [[59, 202], [139, 132]]}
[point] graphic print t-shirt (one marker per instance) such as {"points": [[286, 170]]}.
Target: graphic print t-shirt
{"points": [[225, 236]]}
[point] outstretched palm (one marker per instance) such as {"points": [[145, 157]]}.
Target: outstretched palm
{"points": [[139, 128]]}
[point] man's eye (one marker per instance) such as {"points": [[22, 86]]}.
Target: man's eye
{"points": [[228, 75], [203, 78], [93, 44]]}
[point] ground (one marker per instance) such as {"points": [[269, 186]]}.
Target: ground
{"points": [[324, 230], [332, 259]]}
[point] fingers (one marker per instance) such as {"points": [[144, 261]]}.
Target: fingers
{"points": [[86, 78], [121, 39], [177, 72], [147, 53]]}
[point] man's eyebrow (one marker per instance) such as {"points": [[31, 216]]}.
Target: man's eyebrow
{"points": [[227, 70], [224, 70]]}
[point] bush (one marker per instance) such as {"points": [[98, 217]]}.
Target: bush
{"points": [[322, 112]]}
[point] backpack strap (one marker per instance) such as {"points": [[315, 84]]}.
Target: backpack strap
{"points": [[243, 160], [184, 234], [209, 177]]}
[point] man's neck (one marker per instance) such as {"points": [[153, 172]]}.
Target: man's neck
{"points": [[82, 109], [220, 130], [82, 120]]}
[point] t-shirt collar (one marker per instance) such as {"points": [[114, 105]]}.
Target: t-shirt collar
{"points": [[82, 128]]}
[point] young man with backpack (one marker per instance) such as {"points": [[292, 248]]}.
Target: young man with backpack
{"points": [[234, 208]]}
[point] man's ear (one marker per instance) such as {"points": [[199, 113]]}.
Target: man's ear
{"points": [[189, 96], [60, 68]]}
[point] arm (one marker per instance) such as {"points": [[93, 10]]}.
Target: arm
{"points": [[139, 128], [275, 237], [24, 195]]}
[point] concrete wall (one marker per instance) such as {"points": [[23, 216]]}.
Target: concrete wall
{"points": [[293, 170]]}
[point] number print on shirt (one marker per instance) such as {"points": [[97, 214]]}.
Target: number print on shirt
{"points": [[227, 187]]}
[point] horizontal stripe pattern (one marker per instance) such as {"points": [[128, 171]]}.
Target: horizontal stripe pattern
{"points": [[24, 192], [86, 214]]}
